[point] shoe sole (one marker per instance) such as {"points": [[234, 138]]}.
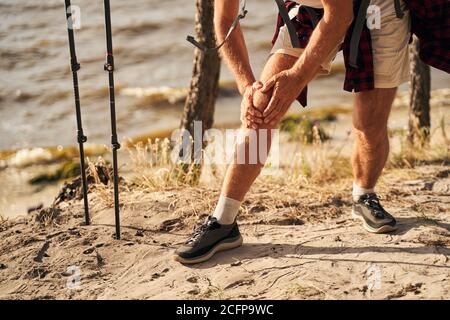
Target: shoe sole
{"points": [[226, 245], [383, 229]]}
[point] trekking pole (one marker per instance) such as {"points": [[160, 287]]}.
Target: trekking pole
{"points": [[109, 67], [75, 66]]}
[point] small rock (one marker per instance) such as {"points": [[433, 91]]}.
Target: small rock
{"points": [[42, 252], [89, 250], [139, 233], [285, 220], [66, 274], [169, 225], [240, 283], [337, 201], [37, 272], [30, 240], [257, 208], [414, 287], [100, 261], [194, 292], [192, 279], [74, 232], [155, 276], [442, 186], [235, 264], [35, 208], [443, 174], [3, 266], [428, 186]]}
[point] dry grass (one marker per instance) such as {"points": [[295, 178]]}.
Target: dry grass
{"points": [[312, 183], [319, 166], [153, 169], [305, 188], [322, 162], [436, 150]]}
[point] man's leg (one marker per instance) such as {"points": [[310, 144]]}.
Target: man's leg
{"points": [[371, 148], [370, 152], [240, 176], [372, 108], [221, 232]]}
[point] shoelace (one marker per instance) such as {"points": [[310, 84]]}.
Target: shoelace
{"points": [[200, 230], [373, 202]]}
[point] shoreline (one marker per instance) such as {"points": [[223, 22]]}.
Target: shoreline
{"points": [[439, 98]]}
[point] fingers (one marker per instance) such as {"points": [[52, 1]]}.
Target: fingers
{"points": [[254, 112], [254, 119], [248, 108], [257, 85], [276, 114], [276, 108], [276, 120], [246, 101], [251, 123], [250, 116], [269, 84], [273, 103]]}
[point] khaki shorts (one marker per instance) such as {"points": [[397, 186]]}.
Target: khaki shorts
{"points": [[389, 46]]}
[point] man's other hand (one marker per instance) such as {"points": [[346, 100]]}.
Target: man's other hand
{"points": [[286, 87], [251, 117]]}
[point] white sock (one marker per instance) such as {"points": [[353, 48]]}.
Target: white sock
{"points": [[358, 191], [226, 210]]}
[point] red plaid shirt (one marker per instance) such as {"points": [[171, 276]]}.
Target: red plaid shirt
{"points": [[430, 22]]}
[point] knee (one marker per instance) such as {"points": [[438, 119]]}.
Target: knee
{"points": [[369, 134], [371, 113], [261, 99]]}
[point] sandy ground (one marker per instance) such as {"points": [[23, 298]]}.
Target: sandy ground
{"points": [[306, 247]]}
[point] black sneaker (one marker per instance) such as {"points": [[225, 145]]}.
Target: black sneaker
{"points": [[375, 219], [207, 239]]}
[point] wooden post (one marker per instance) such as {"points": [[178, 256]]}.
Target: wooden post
{"points": [[419, 105], [204, 86]]}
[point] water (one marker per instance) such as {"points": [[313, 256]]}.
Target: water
{"points": [[36, 102]]}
